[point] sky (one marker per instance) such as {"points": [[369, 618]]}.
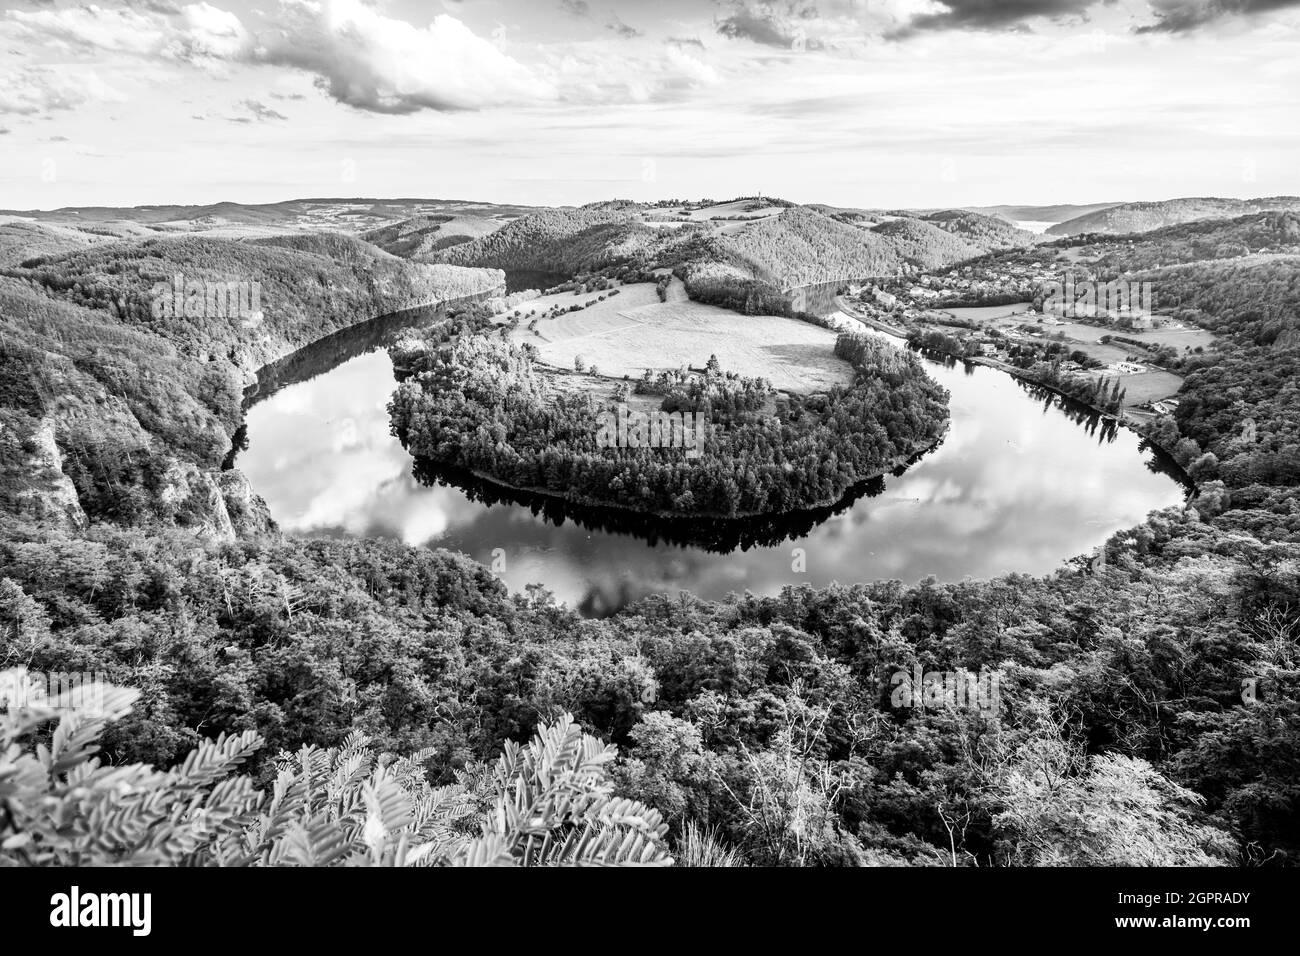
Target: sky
{"points": [[873, 103]]}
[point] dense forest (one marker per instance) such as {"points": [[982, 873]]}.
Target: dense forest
{"points": [[923, 245], [799, 246], [560, 240], [310, 285], [765, 721], [988, 232], [714, 283], [1277, 232], [1148, 708], [111, 413], [483, 405], [1201, 242]]}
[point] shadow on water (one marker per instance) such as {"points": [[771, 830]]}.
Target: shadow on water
{"points": [[332, 351], [325, 355], [518, 280], [1106, 428], [716, 535]]}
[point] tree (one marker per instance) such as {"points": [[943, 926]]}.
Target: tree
{"points": [[549, 803], [1063, 808]]}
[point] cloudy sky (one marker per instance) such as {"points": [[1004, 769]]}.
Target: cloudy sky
{"points": [[855, 102]]}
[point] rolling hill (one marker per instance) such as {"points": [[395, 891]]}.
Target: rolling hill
{"points": [[560, 240], [422, 237], [352, 216], [801, 247], [308, 286], [797, 246], [1057, 213], [21, 240], [986, 232], [925, 245], [1145, 216]]}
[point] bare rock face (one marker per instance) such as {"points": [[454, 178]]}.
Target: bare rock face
{"points": [[216, 525], [193, 499], [218, 506], [213, 505], [47, 495], [248, 512]]}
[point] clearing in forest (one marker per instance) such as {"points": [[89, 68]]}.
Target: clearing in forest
{"points": [[632, 331]]}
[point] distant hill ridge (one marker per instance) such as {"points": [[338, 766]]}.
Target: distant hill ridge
{"points": [[345, 215], [1059, 212], [798, 246], [1145, 216], [422, 237]]}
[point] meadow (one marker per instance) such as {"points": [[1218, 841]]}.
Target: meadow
{"points": [[632, 331]]}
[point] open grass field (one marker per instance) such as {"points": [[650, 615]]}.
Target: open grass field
{"points": [[987, 313], [1148, 386], [745, 208], [1188, 337], [1082, 332], [633, 331]]}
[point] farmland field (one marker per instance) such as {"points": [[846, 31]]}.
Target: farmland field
{"points": [[1188, 337], [1147, 386], [986, 313], [628, 333]]}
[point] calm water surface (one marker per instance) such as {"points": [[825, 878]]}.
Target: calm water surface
{"points": [[1023, 481]]}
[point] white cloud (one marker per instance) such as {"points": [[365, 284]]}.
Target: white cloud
{"points": [[90, 28], [386, 65], [209, 32], [38, 90], [199, 31]]}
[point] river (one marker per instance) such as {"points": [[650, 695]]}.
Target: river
{"points": [[1023, 481]]}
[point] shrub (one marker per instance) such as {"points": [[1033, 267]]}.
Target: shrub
{"points": [[547, 803]]}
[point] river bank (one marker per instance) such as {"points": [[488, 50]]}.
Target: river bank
{"points": [[582, 501], [1125, 418], [1015, 486], [360, 336]]}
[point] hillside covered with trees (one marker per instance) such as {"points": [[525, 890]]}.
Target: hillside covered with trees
{"points": [[987, 232], [1145, 216], [309, 285], [113, 413], [560, 240], [1147, 710], [797, 246], [419, 239]]}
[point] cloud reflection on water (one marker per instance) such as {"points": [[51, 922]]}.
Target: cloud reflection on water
{"points": [[1017, 485]]}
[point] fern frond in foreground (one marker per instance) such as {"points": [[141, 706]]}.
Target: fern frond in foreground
{"points": [[547, 803]]}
